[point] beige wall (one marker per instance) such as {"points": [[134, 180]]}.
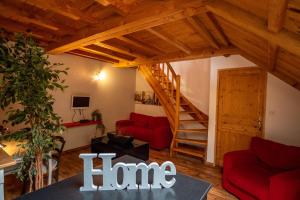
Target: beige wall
{"points": [[195, 81], [282, 106], [142, 85], [114, 96], [282, 112]]}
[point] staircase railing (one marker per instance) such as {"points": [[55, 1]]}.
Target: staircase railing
{"points": [[172, 86]]}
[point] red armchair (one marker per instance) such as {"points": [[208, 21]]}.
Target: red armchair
{"points": [[154, 130], [267, 171]]}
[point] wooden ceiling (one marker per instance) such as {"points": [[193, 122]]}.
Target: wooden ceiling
{"points": [[132, 32]]}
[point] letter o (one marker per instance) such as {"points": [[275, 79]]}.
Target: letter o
{"points": [[125, 181]]}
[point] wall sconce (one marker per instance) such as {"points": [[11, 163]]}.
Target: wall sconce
{"points": [[101, 76]]}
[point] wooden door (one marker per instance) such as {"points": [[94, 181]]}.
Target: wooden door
{"points": [[240, 110]]}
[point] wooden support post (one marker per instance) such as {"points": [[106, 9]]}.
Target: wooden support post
{"points": [[272, 56], [168, 81], [177, 102], [276, 14]]}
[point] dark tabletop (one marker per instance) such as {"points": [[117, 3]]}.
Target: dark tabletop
{"points": [[185, 188]]}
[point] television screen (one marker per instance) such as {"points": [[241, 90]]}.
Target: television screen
{"points": [[80, 102]]}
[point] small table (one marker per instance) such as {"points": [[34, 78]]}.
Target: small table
{"points": [[185, 188], [139, 148]]}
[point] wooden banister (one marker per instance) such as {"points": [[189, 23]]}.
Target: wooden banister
{"points": [[166, 84], [177, 102]]}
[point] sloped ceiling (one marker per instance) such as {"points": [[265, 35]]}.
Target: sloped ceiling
{"points": [[133, 32]]}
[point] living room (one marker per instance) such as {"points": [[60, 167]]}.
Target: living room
{"points": [[228, 124]]}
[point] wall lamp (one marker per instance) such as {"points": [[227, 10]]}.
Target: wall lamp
{"points": [[100, 76]]}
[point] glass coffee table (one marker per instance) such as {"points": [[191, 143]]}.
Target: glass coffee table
{"points": [[138, 149]]}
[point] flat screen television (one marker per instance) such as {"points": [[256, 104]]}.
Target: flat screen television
{"points": [[80, 102]]}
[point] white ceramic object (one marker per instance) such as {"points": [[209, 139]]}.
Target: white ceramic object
{"points": [[110, 179]]}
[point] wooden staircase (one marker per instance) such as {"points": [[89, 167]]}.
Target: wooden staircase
{"points": [[182, 114]]}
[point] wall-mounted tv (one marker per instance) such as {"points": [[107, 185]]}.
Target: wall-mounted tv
{"points": [[80, 102]]}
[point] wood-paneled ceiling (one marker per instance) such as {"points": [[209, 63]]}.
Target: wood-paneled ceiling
{"points": [[132, 32]]}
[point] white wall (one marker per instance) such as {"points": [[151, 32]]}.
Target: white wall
{"points": [[282, 106], [194, 85], [195, 81], [153, 110], [282, 112]]}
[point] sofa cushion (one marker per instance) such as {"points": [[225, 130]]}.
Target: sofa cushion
{"points": [[266, 150], [139, 133], [253, 179], [140, 120], [276, 155], [159, 122], [127, 130], [289, 158]]}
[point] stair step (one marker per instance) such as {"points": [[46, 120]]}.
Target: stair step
{"points": [[187, 120], [187, 112], [191, 120], [203, 130], [184, 104], [191, 141], [190, 151]]}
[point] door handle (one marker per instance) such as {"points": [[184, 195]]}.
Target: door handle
{"points": [[259, 125]]}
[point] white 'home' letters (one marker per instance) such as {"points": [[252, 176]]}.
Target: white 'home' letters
{"points": [[110, 179]]}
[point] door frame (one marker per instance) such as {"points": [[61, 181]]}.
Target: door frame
{"points": [[217, 103]]}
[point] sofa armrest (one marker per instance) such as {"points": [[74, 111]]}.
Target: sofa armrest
{"points": [[162, 137], [238, 158], [285, 185], [123, 123]]}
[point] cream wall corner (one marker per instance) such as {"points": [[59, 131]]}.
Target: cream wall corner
{"points": [[282, 106]]}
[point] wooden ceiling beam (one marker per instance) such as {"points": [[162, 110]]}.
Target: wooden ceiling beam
{"points": [[100, 53], [285, 39], [104, 2], [22, 16], [275, 72], [214, 24], [56, 7], [196, 54], [120, 50], [106, 52], [171, 40], [64, 9], [93, 56], [140, 45], [119, 26], [199, 27], [16, 27], [121, 6], [276, 14]]}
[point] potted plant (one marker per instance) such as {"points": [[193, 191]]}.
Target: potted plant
{"points": [[97, 116], [26, 81]]}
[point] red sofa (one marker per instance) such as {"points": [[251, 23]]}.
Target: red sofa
{"points": [[268, 170], [154, 130]]}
